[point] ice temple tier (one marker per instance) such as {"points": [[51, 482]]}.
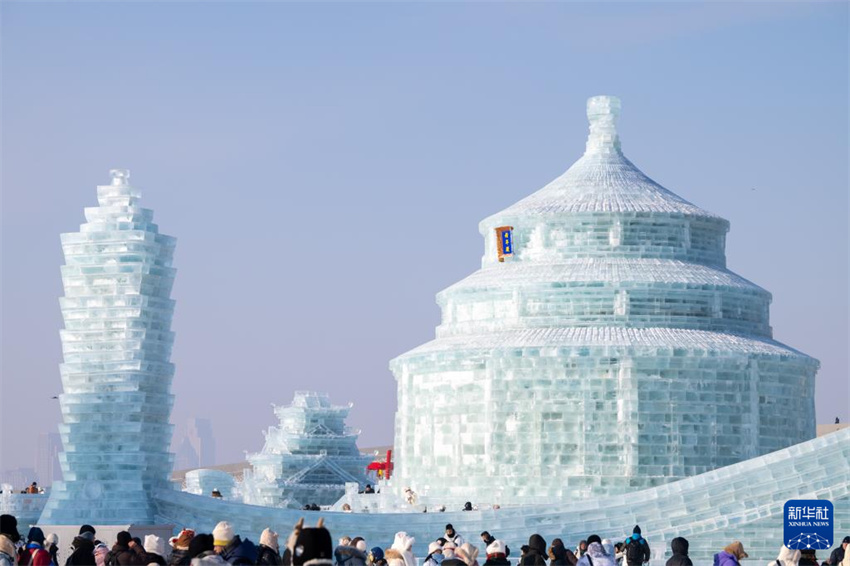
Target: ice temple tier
{"points": [[604, 346], [308, 458]]}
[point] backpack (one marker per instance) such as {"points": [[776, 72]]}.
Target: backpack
{"points": [[635, 550]]}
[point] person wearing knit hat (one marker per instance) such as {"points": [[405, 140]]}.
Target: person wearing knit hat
{"points": [[496, 555], [231, 547], [51, 545], [155, 549], [269, 549], [435, 554], [180, 554]]}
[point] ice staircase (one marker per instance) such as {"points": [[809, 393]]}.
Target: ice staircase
{"points": [[739, 502]]}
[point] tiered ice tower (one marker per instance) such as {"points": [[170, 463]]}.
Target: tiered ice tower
{"points": [[308, 458], [117, 375], [603, 347]]}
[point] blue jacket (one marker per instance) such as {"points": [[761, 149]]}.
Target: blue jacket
{"points": [[240, 551]]}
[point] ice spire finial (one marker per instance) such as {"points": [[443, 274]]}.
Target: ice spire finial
{"points": [[120, 177], [602, 113]]}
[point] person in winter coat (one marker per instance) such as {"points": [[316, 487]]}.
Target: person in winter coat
{"points": [[101, 551], [34, 553], [496, 554], [637, 548], [469, 554], [596, 556], [787, 557], [9, 536], [202, 551], [82, 550], [376, 557], [558, 553], [679, 546], [269, 550], [808, 557], [231, 547], [435, 555], [536, 555], [180, 554], [403, 543], [126, 552], [155, 549], [581, 549], [51, 544], [488, 539], [837, 555], [349, 555], [585, 559], [453, 536], [731, 555]]}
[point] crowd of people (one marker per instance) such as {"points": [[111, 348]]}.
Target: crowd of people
{"points": [[313, 546]]}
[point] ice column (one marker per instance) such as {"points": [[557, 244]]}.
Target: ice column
{"points": [[116, 375]]}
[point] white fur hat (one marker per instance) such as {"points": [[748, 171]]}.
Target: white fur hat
{"points": [[434, 547], [155, 545], [361, 545], [269, 538]]}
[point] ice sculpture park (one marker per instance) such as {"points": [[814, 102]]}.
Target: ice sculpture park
{"points": [[610, 370]]}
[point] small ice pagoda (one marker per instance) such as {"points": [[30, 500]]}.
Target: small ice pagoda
{"points": [[308, 458]]}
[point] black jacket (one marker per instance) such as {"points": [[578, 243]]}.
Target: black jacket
{"points": [[179, 557], [497, 561], [126, 556], [536, 555], [837, 556], [267, 555], [83, 554], [679, 546]]}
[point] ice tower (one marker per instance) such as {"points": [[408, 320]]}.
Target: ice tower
{"points": [[308, 458], [602, 348], [117, 375]]}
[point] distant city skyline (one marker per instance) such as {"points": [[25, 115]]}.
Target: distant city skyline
{"points": [[325, 171]]}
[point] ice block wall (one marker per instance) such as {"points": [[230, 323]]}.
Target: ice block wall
{"points": [[116, 375], [608, 350]]}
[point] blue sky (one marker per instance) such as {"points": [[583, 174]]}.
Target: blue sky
{"points": [[325, 166]]}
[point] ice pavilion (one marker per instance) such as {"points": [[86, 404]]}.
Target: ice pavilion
{"points": [[602, 347]]}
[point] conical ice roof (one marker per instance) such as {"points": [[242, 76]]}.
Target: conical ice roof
{"points": [[602, 180]]}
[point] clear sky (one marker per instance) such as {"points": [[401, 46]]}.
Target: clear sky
{"points": [[325, 166]]}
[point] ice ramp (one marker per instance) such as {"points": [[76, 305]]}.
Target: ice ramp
{"points": [[739, 502]]}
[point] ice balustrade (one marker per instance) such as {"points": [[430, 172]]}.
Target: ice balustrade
{"points": [[742, 502]]}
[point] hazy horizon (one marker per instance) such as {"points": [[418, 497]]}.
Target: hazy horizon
{"points": [[324, 169]]}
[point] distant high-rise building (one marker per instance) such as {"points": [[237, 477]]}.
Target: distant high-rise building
{"points": [[47, 460], [18, 478], [196, 447]]}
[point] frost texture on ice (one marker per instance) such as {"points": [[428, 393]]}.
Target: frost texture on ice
{"points": [[613, 351], [308, 458], [116, 374]]}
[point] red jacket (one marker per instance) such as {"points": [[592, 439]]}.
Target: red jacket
{"points": [[34, 556]]}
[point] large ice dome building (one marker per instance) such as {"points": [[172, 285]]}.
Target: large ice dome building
{"points": [[603, 347]]}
